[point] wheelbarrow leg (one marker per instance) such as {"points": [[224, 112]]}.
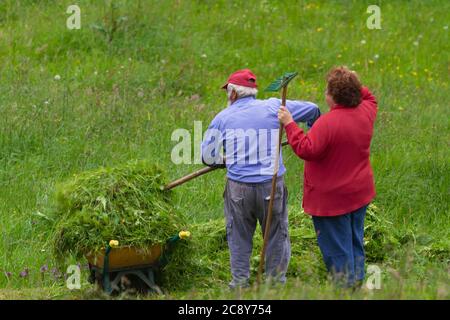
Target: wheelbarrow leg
{"points": [[114, 283], [153, 285], [149, 279]]}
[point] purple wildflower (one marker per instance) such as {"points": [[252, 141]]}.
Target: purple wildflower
{"points": [[8, 274], [24, 273], [56, 273], [44, 268]]}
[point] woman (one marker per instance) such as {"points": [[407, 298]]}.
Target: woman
{"points": [[338, 178]]}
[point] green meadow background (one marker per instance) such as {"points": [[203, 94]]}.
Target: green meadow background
{"points": [[115, 90]]}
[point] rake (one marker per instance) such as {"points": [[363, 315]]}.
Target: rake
{"points": [[280, 83]]}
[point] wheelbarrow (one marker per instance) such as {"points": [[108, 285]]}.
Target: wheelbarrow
{"points": [[114, 265]]}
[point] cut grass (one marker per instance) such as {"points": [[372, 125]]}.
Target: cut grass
{"points": [[124, 203]]}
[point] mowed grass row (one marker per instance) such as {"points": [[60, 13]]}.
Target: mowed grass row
{"points": [[120, 96]]}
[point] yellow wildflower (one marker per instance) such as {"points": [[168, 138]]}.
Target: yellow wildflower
{"points": [[113, 243], [184, 234]]}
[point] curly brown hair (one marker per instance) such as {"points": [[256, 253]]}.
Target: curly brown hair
{"points": [[344, 87]]}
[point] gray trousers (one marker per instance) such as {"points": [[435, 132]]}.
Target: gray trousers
{"points": [[244, 205]]}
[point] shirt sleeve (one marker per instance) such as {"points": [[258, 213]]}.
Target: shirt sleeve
{"points": [[366, 95], [212, 145], [311, 146], [369, 99], [303, 111]]}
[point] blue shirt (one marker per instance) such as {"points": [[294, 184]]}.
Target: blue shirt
{"points": [[247, 131]]}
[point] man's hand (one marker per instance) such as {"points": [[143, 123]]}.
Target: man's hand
{"points": [[284, 115]]}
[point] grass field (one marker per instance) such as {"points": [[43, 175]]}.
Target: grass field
{"points": [[73, 100]]}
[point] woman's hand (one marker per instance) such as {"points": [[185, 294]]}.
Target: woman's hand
{"points": [[284, 116]]}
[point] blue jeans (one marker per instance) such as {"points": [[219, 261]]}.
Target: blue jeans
{"points": [[341, 241]]}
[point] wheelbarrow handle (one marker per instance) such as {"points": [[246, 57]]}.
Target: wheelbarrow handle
{"points": [[164, 259]]}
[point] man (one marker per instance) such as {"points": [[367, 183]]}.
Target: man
{"points": [[247, 131]]}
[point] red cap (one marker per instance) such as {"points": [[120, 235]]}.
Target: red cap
{"points": [[243, 77]]}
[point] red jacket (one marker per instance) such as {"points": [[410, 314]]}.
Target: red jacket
{"points": [[338, 178]]}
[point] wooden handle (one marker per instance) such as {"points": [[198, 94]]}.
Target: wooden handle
{"points": [[190, 176], [283, 96], [272, 194]]}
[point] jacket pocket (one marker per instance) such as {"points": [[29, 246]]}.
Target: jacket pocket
{"points": [[307, 184]]}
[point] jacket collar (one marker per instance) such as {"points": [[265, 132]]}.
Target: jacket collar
{"points": [[338, 106], [243, 100]]}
